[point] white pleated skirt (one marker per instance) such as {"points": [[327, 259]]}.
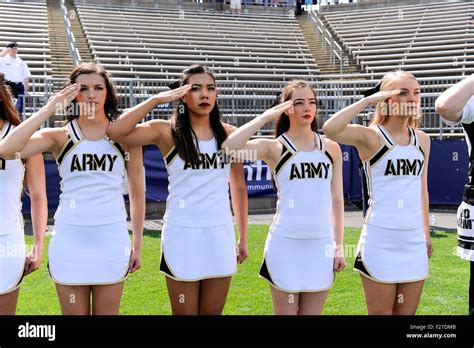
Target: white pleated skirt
{"points": [[12, 261], [89, 255], [298, 265], [392, 256], [197, 253]]}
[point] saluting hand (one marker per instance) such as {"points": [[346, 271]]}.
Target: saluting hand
{"points": [[60, 100], [272, 113], [381, 96], [168, 96]]}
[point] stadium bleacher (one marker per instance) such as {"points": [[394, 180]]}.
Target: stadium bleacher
{"points": [[27, 23], [252, 55], [156, 43], [434, 39]]}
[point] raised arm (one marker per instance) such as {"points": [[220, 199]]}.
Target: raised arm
{"points": [[21, 140], [339, 129], [126, 129], [239, 141], [450, 104]]}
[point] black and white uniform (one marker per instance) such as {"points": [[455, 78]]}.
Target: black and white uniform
{"points": [[392, 246], [465, 248], [12, 240], [299, 251], [198, 239], [90, 243]]}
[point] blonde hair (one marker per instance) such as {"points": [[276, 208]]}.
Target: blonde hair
{"points": [[381, 115]]}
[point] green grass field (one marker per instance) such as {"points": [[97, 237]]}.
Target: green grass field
{"points": [[145, 291]]}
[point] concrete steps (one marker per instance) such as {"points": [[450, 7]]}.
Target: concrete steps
{"points": [[322, 56]]}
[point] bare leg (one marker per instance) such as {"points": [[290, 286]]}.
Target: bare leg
{"points": [[8, 302], [408, 298], [184, 296], [212, 295], [106, 299], [312, 303], [284, 303], [74, 300], [379, 297]]}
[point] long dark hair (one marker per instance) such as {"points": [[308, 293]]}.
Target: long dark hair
{"points": [[8, 112], [111, 101], [283, 121], [183, 134]]}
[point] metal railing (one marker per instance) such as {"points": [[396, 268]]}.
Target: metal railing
{"points": [[76, 57], [247, 6], [336, 53], [240, 101]]}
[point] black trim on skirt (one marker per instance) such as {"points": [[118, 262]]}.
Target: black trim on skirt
{"points": [[359, 265], [264, 272], [164, 266]]}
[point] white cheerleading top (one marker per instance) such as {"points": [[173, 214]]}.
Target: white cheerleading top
{"points": [[303, 182], [393, 176], [92, 174], [198, 196], [11, 185]]}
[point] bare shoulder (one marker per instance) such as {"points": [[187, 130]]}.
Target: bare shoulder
{"points": [[332, 147], [425, 140], [422, 135]]}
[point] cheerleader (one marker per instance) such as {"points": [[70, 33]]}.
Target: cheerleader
{"points": [[395, 243], [308, 226], [15, 263], [198, 251], [456, 105], [90, 253]]}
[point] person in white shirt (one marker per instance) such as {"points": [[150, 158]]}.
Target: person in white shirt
{"points": [[456, 105], [16, 72]]}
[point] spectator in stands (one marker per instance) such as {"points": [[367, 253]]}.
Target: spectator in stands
{"points": [[305, 243], [456, 106], [395, 244], [198, 241], [275, 3], [91, 252], [235, 6], [17, 73], [220, 6], [15, 265]]}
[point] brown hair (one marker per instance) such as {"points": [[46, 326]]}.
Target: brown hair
{"points": [[382, 107], [183, 134], [111, 101], [283, 121], [8, 112]]}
